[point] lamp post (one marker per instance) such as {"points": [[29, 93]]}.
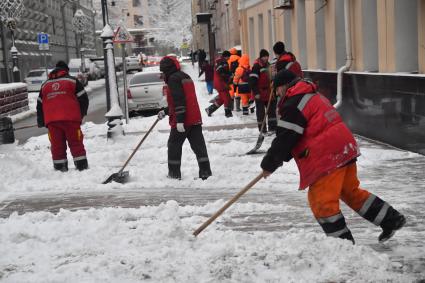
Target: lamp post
{"points": [[105, 20], [80, 24], [10, 13], [115, 114]]}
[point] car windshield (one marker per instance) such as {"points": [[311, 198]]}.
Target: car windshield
{"points": [[36, 73], [146, 78]]}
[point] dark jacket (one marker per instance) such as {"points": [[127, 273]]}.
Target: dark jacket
{"points": [[183, 105], [62, 98], [208, 69]]}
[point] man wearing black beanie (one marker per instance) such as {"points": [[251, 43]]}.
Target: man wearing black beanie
{"points": [[259, 80], [310, 130], [285, 60], [61, 106]]}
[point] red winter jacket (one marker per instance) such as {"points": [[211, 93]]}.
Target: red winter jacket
{"points": [[311, 131], [222, 75], [61, 98], [259, 80], [289, 62], [183, 105]]}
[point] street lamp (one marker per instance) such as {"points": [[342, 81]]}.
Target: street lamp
{"points": [[80, 25], [114, 114], [10, 13]]}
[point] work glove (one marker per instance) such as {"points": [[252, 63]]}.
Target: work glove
{"points": [[257, 96], [161, 115], [180, 127]]}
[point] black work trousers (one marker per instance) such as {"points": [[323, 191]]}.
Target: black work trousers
{"points": [[197, 143], [271, 114]]}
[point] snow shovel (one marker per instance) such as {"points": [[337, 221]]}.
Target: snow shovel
{"points": [[228, 204], [261, 136], [122, 176]]}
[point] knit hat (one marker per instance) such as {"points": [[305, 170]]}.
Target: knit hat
{"points": [[263, 53], [226, 53], [279, 48], [283, 77], [62, 65]]}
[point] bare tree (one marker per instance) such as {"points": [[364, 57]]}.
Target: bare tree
{"points": [[171, 20]]}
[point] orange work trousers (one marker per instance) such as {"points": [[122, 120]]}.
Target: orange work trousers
{"points": [[245, 97], [325, 193]]}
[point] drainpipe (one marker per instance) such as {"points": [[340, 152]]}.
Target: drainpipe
{"points": [[348, 56], [273, 23]]}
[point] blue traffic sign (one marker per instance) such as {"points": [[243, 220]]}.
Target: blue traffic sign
{"points": [[43, 38]]}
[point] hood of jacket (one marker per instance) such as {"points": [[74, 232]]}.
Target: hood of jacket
{"points": [[169, 65], [58, 73], [244, 61]]}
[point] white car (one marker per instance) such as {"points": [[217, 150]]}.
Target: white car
{"points": [[146, 91], [133, 64], [35, 79]]}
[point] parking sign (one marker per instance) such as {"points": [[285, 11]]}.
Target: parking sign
{"points": [[43, 41]]}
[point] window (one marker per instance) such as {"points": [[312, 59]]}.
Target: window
{"points": [[260, 32], [146, 78]]}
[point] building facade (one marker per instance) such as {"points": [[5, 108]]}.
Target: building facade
{"points": [[225, 24], [376, 45], [53, 17]]}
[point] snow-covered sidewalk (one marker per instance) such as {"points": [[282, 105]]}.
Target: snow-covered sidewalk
{"points": [[267, 236]]}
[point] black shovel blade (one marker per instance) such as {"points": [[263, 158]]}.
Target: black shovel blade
{"points": [[119, 177], [257, 145]]}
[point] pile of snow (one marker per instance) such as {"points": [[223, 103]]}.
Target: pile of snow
{"points": [[155, 244]]}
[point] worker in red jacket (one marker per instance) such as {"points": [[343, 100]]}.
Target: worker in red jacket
{"points": [[259, 80], [185, 119], [310, 130], [61, 106], [222, 81], [286, 60]]}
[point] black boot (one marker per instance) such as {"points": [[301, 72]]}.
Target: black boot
{"points": [[238, 103], [63, 167], [245, 111], [211, 109], [347, 236], [232, 104], [228, 112], [81, 164], [251, 106], [392, 222], [204, 170]]}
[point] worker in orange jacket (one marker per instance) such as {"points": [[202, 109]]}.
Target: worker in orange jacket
{"points": [[241, 82], [233, 65]]}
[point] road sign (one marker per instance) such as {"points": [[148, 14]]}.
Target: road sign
{"points": [[184, 46], [42, 38], [122, 35], [43, 41]]}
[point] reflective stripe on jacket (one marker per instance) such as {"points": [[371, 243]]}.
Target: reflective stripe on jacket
{"points": [[312, 132]]}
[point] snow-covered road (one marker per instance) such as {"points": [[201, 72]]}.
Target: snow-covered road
{"points": [[142, 230]]}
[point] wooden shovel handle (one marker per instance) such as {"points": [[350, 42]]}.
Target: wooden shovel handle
{"points": [[140, 143], [229, 203]]}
